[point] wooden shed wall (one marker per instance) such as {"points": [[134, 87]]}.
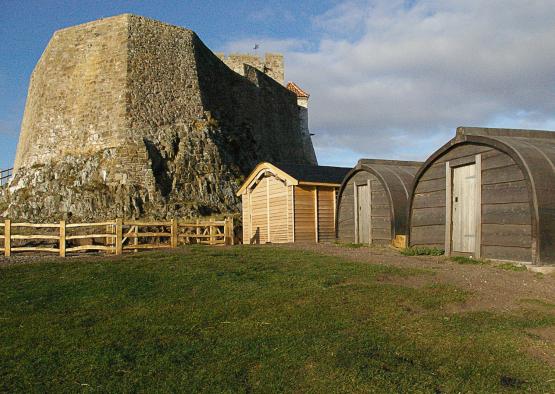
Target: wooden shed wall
{"points": [[268, 206], [278, 211], [259, 213], [305, 219], [326, 214], [506, 219], [380, 211], [245, 206]]}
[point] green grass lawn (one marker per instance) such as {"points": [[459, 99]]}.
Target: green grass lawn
{"points": [[252, 319]]}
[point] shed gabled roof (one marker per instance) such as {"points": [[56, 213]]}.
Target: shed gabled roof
{"points": [[534, 152], [315, 174], [297, 174]]}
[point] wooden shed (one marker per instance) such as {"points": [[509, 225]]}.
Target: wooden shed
{"points": [[488, 193], [290, 203], [373, 201]]}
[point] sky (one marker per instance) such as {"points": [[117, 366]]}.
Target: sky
{"points": [[388, 78]]}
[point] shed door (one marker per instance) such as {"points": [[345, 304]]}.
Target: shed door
{"points": [[464, 209], [363, 213]]}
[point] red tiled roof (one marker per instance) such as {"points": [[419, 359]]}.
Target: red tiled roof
{"points": [[292, 86]]}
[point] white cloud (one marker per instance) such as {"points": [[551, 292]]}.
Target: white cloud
{"points": [[391, 80]]}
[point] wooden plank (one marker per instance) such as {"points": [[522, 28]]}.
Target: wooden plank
{"points": [[429, 200], [511, 192], [507, 235], [478, 207], [428, 216], [381, 234], [35, 249], [448, 210], [174, 230], [97, 224], [32, 225], [203, 236], [436, 171], [87, 236], [34, 236], [462, 151], [147, 246], [499, 159], [516, 213], [62, 244], [507, 253], [150, 234], [510, 173], [145, 223], [7, 237], [428, 235], [431, 185], [119, 236], [82, 248], [381, 222]]}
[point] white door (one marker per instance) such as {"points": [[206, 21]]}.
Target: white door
{"points": [[464, 209], [363, 214]]}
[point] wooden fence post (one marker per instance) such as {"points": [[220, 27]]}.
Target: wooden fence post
{"points": [[174, 230], [198, 239], [231, 231], [7, 237], [62, 238], [228, 231], [109, 230], [136, 239], [211, 231], [119, 236]]}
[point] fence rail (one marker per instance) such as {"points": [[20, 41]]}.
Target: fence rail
{"points": [[5, 176], [119, 235]]}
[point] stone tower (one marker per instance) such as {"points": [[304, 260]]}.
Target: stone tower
{"points": [[133, 117]]}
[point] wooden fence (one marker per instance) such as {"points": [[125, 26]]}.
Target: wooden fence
{"points": [[5, 176], [115, 236]]}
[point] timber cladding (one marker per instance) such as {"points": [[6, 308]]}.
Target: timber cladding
{"points": [[488, 193], [373, 199], [294, 206]]}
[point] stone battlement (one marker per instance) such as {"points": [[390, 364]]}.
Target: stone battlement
{"points": [[271, 64]]}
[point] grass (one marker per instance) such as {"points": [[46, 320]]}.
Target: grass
{"points": [[512, 267], [252, 319], [467, 260], [350, 245], [422, 251]]}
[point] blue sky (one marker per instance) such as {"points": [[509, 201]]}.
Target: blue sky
{"points": [[388, 78]]}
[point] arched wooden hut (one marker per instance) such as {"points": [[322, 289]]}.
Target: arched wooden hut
{"points": [[488, 193], [290, 203], [373, 201]]}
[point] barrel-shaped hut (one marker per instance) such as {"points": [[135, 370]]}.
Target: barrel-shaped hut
{"points": [[373, 201], [488, 193], [290, 203]]}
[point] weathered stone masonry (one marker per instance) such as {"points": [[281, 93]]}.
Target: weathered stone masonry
{"points": [[128, 116]]}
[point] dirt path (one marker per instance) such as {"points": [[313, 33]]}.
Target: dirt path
{"points": [[492, 288]]}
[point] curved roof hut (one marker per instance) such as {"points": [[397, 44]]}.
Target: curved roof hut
{"points": [[488, 193], [373, 200]]}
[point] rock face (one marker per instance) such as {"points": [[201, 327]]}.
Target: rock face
{"points": [[127, 116]]}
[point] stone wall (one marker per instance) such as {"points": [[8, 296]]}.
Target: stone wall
{"points": [[131, 117], [271, 64]]}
